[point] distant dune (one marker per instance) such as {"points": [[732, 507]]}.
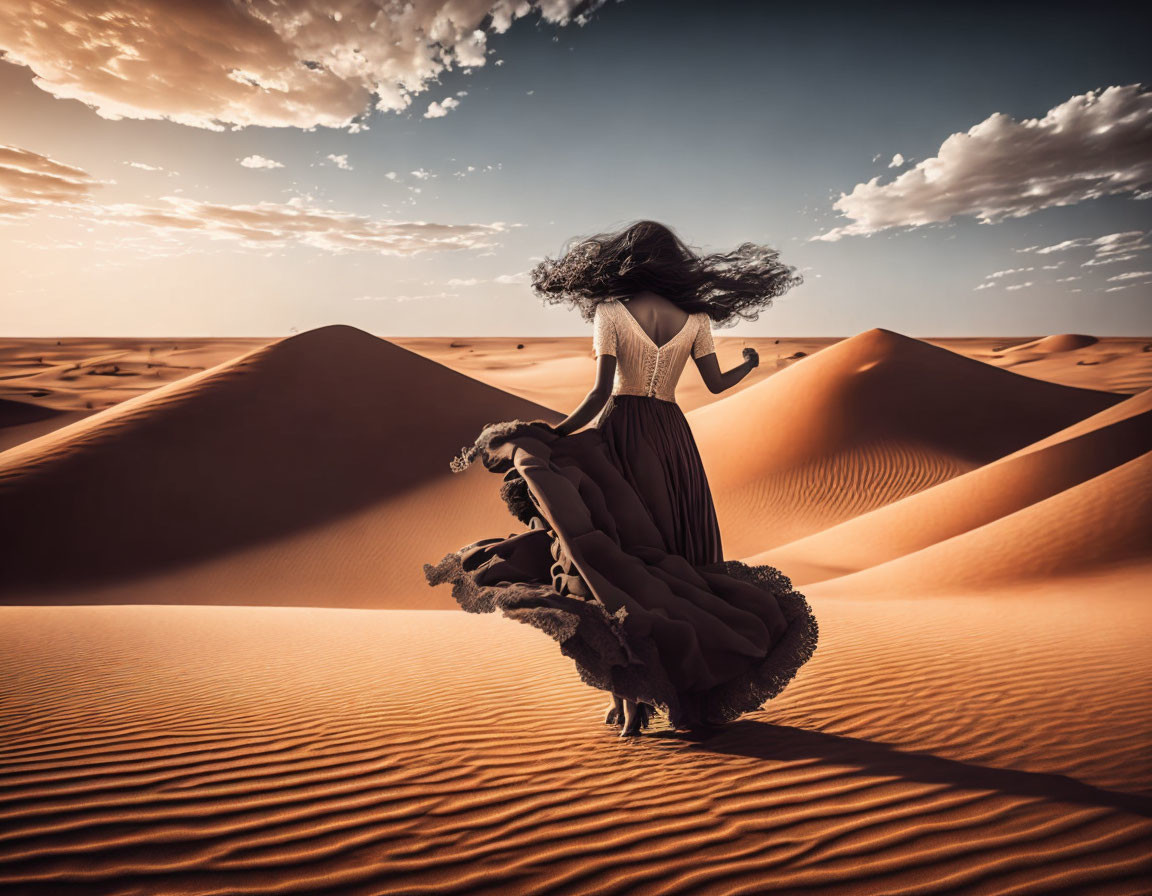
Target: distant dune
{"points": [[865, 422], [1061, 342], [284, 440]]}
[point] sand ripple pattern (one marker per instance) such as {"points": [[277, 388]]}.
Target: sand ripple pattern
{"points": [[234, 750]]}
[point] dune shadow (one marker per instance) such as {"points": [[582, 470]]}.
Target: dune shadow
{"points": [[761, 740]]}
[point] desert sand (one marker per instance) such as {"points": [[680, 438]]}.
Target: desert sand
{"points": [[970, 519]]}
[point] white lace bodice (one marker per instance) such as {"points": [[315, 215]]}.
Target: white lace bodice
{"points": [[642, 367]]}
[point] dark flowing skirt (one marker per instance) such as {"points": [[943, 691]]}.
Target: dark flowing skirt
{"points": [[651, 443], [621, 563]]}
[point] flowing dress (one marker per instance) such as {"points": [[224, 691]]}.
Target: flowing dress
{"points": [[621, 560]]}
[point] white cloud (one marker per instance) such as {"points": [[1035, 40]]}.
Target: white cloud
{"points": [[30, 181], [1108, 249], [421, 174], [897, 161], [1005, 273], [1102, 245], [1096, 144], [472, 169], [502, 279], [340, 161], [296, 222], [441, 108], [1014, 286], [1131, 275], [143, 166], [990, 280], [260, 162], [272, 63], [1107, 259]]}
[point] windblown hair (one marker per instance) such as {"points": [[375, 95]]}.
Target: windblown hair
{"points": [[647, 255]]}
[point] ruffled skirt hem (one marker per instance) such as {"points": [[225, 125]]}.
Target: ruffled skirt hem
{"points": [[606, 659]]}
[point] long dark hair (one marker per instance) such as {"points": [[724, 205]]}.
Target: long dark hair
{"points": [[647, 255]]}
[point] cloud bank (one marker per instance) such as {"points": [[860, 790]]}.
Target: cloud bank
{"points": [[274, 63], [1111, 248], [29, 181], [1096, 144], [296, 222]]}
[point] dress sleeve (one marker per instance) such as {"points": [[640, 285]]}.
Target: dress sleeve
{"points": [[603, 332], [703, 344]]}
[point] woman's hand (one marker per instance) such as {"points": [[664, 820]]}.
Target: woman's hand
{"points": [[752, 357]]}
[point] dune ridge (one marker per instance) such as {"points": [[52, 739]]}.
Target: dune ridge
{"points": [[1104, 522], [861, 424]]}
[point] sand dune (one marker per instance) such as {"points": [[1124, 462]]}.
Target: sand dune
{"points": [[1111, 363], [1105, 522], [286, 439], [939, 747], [1060, 342], [21, 421], [1040, 470], [282, 477], [865, 422], [90, 374]]}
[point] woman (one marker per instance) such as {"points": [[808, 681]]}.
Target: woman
{"points": [[622, 562]]}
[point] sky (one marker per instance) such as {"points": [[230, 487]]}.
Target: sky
{"points": [[259, 169]]}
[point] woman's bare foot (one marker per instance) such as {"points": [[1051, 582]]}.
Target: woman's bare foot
{"points": [[636, 716], [615, 715]]}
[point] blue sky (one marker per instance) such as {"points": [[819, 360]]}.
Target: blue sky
{"points": [[728, 121]]}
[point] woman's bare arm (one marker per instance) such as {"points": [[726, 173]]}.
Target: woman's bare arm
{"points": [[718, 381], [595, 400]]}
